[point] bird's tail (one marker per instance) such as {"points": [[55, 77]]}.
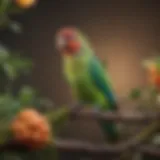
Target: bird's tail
{"points": [[110, 130]]}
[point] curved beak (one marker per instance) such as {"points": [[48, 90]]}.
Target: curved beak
{"points": [[67, 47]]}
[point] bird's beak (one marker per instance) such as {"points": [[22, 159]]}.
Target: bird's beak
{"points": [[67, 47]]}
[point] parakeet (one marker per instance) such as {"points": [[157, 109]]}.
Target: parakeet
{"points": [[152, 66], [86, 76]]}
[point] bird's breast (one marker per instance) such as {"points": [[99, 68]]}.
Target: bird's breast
{"points": [[75, 70]]}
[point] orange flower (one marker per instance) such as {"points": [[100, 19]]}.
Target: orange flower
{"points": [[25, 3], [152, 73], [157, 81], [31, 128], [154, 76]]}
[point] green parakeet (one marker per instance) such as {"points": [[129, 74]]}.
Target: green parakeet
{"points": [[86, 75]]}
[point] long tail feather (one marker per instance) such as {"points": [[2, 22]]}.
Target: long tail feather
{"points": [[110, 130]]}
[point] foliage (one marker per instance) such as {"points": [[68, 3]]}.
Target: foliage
{"points": [[9, 8], [148, 96], [12, 67]]}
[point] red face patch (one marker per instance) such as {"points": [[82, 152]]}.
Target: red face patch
{"points": [[69, 41]]}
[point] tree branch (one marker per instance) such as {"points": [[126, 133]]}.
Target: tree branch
{"points": [[132, 144], [114, 116], [150, 150]]}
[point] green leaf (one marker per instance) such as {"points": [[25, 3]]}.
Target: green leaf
{"points": [[158, 64], [4, 4], [10, 156], [153, 91], [4, 21], [15, 27], [47, 103], [156, 139], [8, 109], [26, 95], [7, 105], [22, 65], [10, 71], [135, 94], [15, 66], [4, 54], [58, 118]]}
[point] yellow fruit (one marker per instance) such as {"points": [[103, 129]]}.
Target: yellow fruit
{"points": [[25, 3], [31, 128]]}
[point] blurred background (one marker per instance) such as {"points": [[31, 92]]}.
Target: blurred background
{"points": [[123, 33]]}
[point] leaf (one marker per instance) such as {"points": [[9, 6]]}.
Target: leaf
{"points": [[22, 65], [8, 109], [4, 54], [8, 105], [10, 71], [26, 95], [153, 92], [15, 66], [45, 102], [135, 94], [15, 27], [58, 117], [4, 21], [156, 139], [7, 23], [4, 4]]}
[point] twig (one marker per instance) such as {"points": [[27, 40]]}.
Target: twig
{"points": [[80, 111], [144, 134], [117, 117], [79, 146], [140, 138], [119, 149], [150, 150], [114, 149], [74, 146]]}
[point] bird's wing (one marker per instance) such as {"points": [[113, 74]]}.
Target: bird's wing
{"points": [[101, 80]]}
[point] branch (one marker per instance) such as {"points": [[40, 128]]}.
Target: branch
{"points": [[86, 148], [145, 134], [73, 146], [113, 116], [13, 146], [150, 150], [133, 143]]}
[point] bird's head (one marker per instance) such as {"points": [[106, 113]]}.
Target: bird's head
{"points": [[68, 41]]}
